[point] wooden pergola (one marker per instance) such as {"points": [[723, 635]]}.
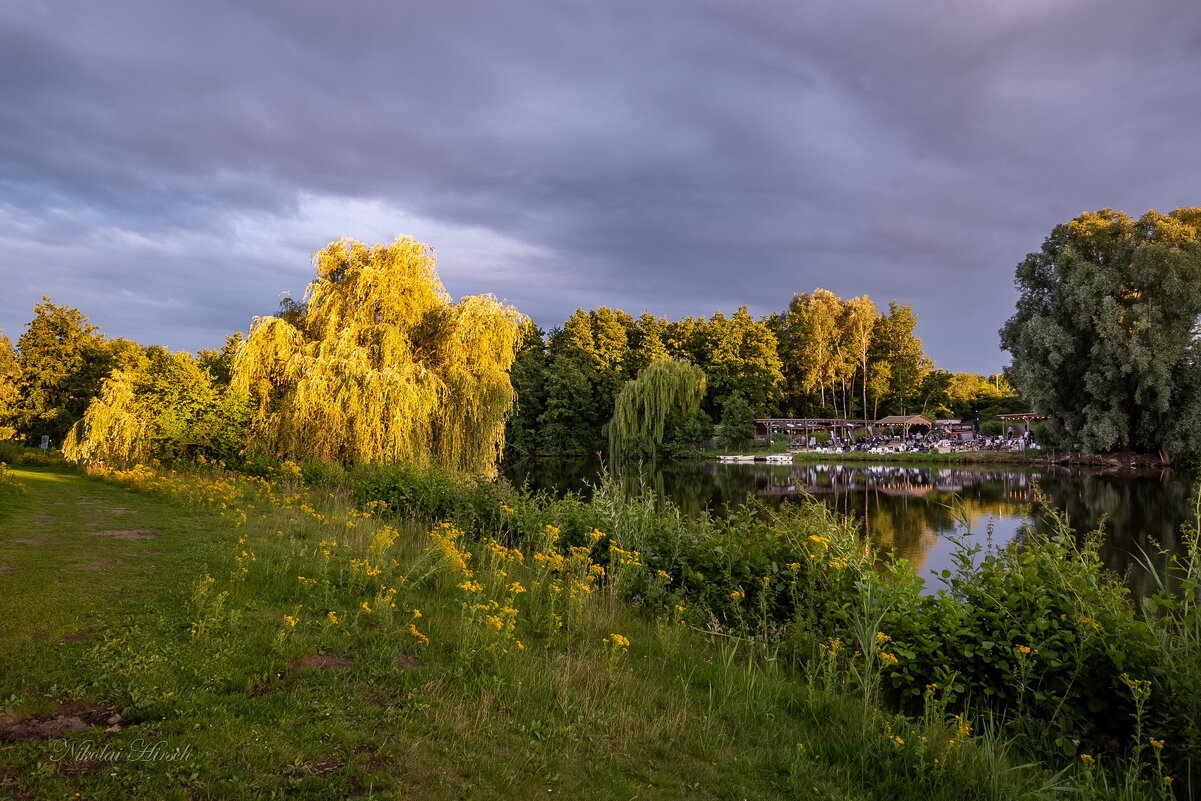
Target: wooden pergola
{"points": [[905, 421]]}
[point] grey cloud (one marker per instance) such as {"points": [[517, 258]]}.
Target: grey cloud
{"points": [[678, 156]]}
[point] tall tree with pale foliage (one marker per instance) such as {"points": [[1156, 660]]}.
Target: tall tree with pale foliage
{"points": [[381, 366]]}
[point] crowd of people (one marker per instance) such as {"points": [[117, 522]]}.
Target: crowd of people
{"points": [[933, 442]]}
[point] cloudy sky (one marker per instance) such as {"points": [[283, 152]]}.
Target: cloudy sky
{"points": [[169, 168]]}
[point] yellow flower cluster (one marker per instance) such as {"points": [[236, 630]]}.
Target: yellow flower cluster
{"points": [[617, 640], [416, 634], [365, 566]]}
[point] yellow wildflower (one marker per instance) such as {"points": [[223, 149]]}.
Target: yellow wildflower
{"points": [[421, 638]]}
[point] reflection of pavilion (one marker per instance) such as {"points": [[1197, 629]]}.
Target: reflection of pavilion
{"points": [[909, 490], [911, 482]]}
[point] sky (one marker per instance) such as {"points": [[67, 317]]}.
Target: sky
{"points": [[170, 168]]}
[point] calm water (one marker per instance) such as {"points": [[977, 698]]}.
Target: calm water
{"points": [[912, 509]]}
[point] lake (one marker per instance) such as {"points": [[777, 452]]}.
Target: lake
{"points": [[911, 510]]}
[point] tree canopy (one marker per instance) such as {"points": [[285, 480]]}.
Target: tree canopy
{"points": [[1105, 339], [665, 389], [378, 365], [61, 362]]}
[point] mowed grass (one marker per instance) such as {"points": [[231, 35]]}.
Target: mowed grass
{"points": [[183, 625]]}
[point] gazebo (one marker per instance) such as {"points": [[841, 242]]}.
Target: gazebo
{"points": [[1021, 423], [905, 421]]}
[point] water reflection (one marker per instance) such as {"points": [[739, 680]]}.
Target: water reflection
{"points": [[911, 510]]}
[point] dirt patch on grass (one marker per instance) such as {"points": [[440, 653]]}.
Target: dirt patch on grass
{"points": [[16, 730], [69, 720], [78, 636], [102, 564], [126, 534], [323, 662], [24, 541], [118, 510], [317, 767], [5, 569]]}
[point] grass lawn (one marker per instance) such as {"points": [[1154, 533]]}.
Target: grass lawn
{"points": [[157, 647]]}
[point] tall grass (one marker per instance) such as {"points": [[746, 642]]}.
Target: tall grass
{"points": [[1030, 650]]}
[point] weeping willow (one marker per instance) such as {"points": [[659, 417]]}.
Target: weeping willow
{"points": [[379, 366], [113, 429], [664, 388]]}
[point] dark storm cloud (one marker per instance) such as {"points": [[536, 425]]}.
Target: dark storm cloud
{"points": [[168, 167]]}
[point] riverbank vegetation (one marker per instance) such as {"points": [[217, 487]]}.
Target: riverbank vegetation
{"points": [[367, 630]]}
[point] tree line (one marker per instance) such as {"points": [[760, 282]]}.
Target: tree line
{"points": [[821, 357]]}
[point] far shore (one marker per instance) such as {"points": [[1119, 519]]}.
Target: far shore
{"points": [[1114, 461]]}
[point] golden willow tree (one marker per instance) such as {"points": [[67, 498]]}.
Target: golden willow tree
{"points": [[379, 366], [665, 389]]}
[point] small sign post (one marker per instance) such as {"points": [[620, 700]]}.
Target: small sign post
{"points": [[45, 441]]}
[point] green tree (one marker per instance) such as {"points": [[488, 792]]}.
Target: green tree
{"points": [[647, 342], [220, 363], [813, 335], [63, 361], [936, 393], [737, 426], [10, 375], [893, 341], [167, 407], [569, 424], [743, 359], [689, 339], [667, 389], [529, 377], [1105, 340], [858, 322]]}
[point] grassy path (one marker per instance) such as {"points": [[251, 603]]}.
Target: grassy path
{"points": [[77, 557], [104, 612]]}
